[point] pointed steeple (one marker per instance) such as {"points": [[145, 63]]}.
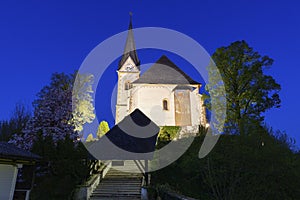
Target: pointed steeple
{"points": [[130, 49]]}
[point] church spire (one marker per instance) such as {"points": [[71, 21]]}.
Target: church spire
{"points": [[130, 21], [130, 49]]}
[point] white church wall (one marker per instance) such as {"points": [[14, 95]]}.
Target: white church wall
{"points": [[121, 112], [123, 78], [149, 99], [122, 107]]}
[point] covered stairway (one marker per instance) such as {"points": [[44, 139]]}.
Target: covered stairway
{"points": [[128, 146]]}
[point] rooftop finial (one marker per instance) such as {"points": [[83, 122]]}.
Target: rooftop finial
{"points": [[130, 23]]}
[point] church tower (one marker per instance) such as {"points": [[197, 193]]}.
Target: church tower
{"points": [[128, 71]]}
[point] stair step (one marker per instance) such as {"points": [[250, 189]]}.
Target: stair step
{"points": [[121, 192], [123, 179], [115, 198], [111, 198], [116, 195], [123, 182], [117, 190], [127, 175], [118, 185]]}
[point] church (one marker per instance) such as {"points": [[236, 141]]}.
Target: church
{"points": [[164, 93]]}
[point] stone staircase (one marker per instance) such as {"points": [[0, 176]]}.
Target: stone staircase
{"points": [[118, 185]]}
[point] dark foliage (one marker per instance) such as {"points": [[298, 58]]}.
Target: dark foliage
{"points": [[62, 168], [16, 123], [249, 90], [256, 166]]}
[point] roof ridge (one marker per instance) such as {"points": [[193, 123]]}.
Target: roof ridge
{"points": [[161, 73]]}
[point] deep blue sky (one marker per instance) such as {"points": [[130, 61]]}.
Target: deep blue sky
{"points": [[38, 38]]}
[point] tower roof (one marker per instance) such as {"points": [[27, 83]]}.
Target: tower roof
{"points": [[164, 71], [130, 49]]}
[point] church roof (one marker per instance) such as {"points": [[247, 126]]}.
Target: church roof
{"points": [[130, 49], [136, 134], [164, 71]]}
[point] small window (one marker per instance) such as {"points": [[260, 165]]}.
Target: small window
{"points": [[127, 85], [165, 104]]}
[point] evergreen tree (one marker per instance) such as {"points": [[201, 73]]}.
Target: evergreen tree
{"points": [[102, 129], [63, 166]]}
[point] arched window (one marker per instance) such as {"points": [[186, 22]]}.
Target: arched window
{"points": [[127, 85], [165, 104]]}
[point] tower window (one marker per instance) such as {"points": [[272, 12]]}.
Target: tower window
{"points": [[128, 85], [165, 104]]}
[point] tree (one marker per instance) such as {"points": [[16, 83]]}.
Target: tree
{"points": [[21, 114], [82, 101], [63, 166], [60, 110], [259, 165], [17, 122], [249, 91], [102, 129], [53, 111], [90, 138]]}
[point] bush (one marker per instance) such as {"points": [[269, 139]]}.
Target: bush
{"points": [[255, 166], [62, 168]]}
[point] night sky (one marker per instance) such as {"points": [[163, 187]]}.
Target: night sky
{"points": [[38, 38]]}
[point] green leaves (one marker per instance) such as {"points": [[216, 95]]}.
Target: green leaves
{"points": [[249, 91], [102, 129]]}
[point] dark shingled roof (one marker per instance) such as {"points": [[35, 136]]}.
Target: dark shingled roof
{"points": [[130, 49], [164, 71], [136, 134], [10, 151]]}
